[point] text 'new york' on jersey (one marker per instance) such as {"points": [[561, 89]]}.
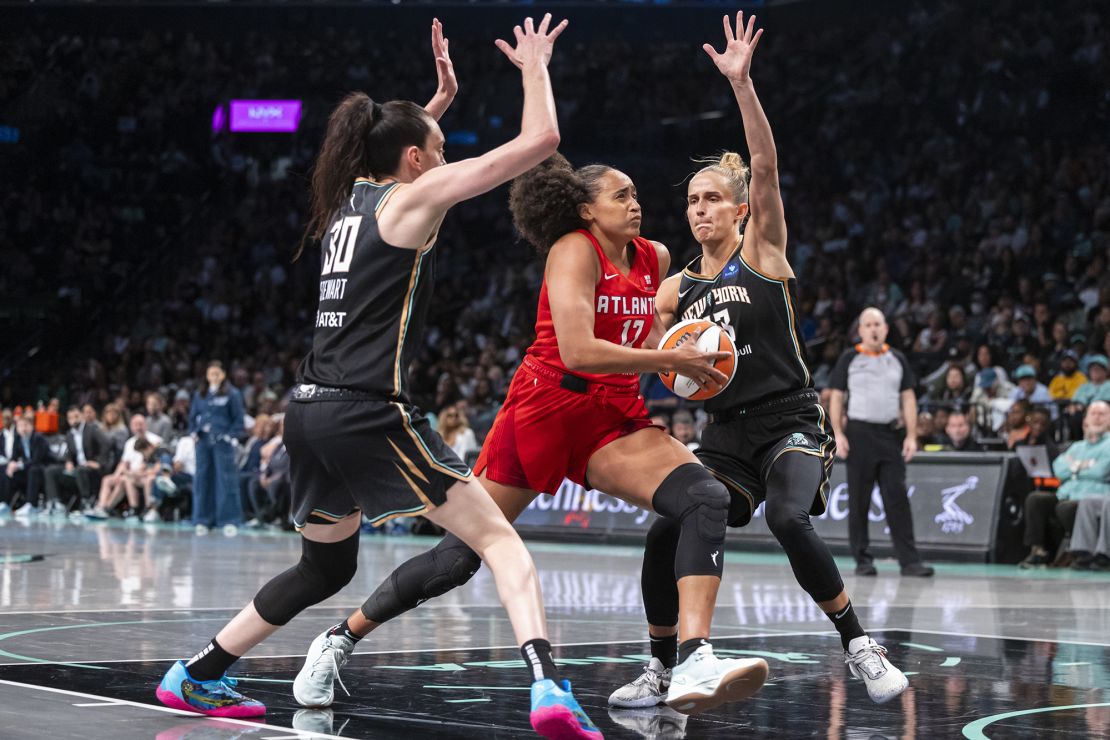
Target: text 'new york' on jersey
{"points": [[759, 313], [373, 301]]}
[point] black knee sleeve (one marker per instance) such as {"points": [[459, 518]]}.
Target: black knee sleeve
{"points": [[324, 569], [791, 485], [699, 503], [433, 573], [657, 582]]}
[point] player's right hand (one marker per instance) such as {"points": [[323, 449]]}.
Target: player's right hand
{"points": [[533, 46], [688, 360]]}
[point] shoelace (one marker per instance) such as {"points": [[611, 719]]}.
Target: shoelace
{"points": [[329, 652], [650, 677], [869, 660]]}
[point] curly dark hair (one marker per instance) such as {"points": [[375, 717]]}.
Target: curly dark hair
{"points": [[544, 200]]}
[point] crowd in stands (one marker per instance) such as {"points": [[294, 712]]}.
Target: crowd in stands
{"points": [[972, 209]]}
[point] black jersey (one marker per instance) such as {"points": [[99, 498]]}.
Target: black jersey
{"points": [[758, 312], [373, 302]]}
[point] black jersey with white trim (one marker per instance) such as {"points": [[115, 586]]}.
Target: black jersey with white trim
{"points": [[759, 312], [373, 301]]}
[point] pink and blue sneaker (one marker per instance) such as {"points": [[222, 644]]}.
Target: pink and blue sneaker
{"points": [[556, 714], [215, 698]]}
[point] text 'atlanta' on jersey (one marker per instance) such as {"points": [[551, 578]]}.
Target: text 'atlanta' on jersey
{"points": [[759, 313], [373, 302]]}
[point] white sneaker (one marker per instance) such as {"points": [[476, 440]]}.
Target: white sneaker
{"points": [[867, 661], [152, 515], [253, 523], [314, 686], [200, 530], [56, 508], [5, 508], [704, 681], [647, 690], [230, 530], [27, 510], [96, 513]]}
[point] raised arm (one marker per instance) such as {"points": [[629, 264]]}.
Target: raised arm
{"points": [[430, 195], [572, 274], [767, 221], [447, 86]]}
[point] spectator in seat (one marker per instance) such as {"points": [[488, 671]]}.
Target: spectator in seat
{"points": [[250, 464], [1068, 380], [269, 492], [179, 413], [1040, 432], [953, 391], [111, 422], [990, 401], [134, 463], [1031, 390], [453, 426], [88, 455], [26, 467], [7, 452], [172, 479], [157, 421], [1084, 472], [958, 431], [1096, 388], [1088, 466], [1016, 428], [683, 429]]}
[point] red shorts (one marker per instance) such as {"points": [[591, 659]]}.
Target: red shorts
{"points": [[545, 433]]}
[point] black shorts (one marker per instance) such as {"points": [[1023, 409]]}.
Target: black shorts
{"points": [[375, 456], [740, 451]]}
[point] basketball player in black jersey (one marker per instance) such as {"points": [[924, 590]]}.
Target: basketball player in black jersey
{"points": [[767, 439], [357, 446]]}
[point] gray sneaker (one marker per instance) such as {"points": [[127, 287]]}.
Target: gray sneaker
{"points": [[647, 690], [314, 686]]}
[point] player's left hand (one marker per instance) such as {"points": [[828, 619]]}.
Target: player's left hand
{"points": [[736, 59], [909, 448], [445, 69]]}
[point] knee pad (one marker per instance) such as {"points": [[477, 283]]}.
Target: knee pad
{"points": [[433, 573], [323, 570], [699, 502], [455, 564]]}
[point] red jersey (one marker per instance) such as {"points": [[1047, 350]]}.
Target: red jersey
{"points": [[624, 308]]}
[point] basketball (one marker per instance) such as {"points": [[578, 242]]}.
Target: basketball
{"points": [[712, 339]]}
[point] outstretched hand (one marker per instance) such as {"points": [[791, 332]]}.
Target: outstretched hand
{"points": [[736, 60], [445, 70], [533, 45]]}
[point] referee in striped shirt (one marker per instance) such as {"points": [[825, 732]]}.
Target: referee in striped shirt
{"points": [[879, 384]]}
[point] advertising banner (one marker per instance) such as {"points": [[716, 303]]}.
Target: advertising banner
{"points": [[265, 115], [954, 503]]}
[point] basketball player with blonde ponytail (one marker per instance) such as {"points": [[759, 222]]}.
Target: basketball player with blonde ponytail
{"points": [[767, 439]]}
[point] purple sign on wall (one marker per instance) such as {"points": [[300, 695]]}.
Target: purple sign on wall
{"points": [[265, 115]]}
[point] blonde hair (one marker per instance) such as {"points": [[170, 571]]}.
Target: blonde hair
{"points": [[732, 168]]}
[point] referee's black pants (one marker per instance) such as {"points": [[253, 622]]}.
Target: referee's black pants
{"points": [[875, 455]]}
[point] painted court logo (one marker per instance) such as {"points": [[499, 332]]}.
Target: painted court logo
{"points": [[953, 519]]}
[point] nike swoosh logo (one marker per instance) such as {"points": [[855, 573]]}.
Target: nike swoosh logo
{"points": [[838, 616], [610, 277], [682, 293]]}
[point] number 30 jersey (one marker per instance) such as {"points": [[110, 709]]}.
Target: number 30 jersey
{"points": [[624, 307], [759, 313], [373, 302]]}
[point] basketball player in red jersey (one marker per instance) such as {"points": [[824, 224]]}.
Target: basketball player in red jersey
{"points": [[574, 411]]}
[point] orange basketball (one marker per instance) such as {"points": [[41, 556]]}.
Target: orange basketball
{"points": [[712, 339]]}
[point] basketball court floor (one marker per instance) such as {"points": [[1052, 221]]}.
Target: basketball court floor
{"points": [[91, 616]]}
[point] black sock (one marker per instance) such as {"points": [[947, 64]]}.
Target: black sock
{"points": [[537, 654], [210, 663], [664, 648], [344, 629], [687, 647], [846, 624]]}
